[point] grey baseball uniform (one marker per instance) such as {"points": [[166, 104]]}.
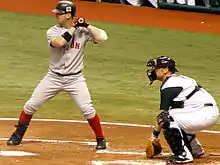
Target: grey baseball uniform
{"points": [[67, 42], [64, 73]]}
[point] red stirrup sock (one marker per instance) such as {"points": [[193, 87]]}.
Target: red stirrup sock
{"points": [[96, 126], [24, 118]]}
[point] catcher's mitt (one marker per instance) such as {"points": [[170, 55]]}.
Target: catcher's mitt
{"points": [[153, 148]]}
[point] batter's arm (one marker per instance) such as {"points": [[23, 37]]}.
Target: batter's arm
{"points": [[98, 34], [60, 41]]}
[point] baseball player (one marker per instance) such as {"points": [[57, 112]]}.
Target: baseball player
{"points": [[67, 40], [186, 108]]}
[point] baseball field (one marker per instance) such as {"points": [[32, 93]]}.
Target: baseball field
{"points": [[115, 73]]}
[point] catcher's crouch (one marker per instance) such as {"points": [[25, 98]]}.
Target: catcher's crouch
{"points": [[186, 108]]}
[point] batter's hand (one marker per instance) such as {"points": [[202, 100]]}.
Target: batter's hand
{"points": [[81, 22]]}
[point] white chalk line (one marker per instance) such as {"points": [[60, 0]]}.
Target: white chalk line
{"points": [[127, 162], [141, 162], [120, 152], [104, 123], [16, 153], [57, 141], [126, 152]]}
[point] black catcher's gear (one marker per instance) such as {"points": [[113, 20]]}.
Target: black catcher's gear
{"points": [[159, 62], [164, 119]]}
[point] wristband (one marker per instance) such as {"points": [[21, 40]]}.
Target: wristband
{"points": [[66, 36], [156, 133]]}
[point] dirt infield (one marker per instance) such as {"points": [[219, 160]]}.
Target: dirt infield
{"points": [[70, 148], [75, 144]]}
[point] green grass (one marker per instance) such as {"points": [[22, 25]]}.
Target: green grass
{"points": [[115, 70]]}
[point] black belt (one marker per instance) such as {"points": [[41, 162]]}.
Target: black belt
{"points": [[208, 105], [70, 74]]}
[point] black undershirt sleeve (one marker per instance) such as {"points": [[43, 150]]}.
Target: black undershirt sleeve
{"points": [[167, 95]]}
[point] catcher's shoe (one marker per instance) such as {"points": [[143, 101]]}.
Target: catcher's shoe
{"points": [[199, 155], [178, 159], [101, 144], [14, 139]]}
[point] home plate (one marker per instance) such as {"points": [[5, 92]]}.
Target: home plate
{"points": [[16, 153]]}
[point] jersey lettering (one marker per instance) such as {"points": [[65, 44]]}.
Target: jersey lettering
{"points": [[75, 45]]}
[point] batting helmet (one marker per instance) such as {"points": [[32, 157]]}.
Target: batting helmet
{"points": [[64, 7], [160, 62]]}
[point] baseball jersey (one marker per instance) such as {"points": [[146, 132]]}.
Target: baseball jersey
{"points": [[176, 89], [69, 58]]}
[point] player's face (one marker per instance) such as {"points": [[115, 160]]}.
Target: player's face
{"points": [[162, 73], [61, 18]]}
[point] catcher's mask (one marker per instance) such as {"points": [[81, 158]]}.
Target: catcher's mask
{"points": [[159, 62], [64, 7]]}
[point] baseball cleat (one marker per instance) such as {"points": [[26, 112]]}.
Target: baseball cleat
{"points": [[101, 144], [14, 140], [178, 159], [17, 136], [202, 155]]}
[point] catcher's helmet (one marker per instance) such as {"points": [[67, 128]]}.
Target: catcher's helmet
{"points": [[160, 62], [64, 7]]}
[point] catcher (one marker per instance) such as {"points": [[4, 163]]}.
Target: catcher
{"points": [[181, 100]]}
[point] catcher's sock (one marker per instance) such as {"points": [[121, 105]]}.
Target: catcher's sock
{"points": [[25, 118], [96, 126]]}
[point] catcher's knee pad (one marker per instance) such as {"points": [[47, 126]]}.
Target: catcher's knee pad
{"points": [[29, 109], [174, 138], [164, 119], [88, 111]]}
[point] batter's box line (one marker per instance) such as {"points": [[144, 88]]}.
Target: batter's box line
{"points": [[127, 152], [57, 141], [126, 162], [137, 162], [163, 154]]}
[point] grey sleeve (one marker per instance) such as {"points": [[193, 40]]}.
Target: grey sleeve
{"points": [[51, 33], [90, 37]]}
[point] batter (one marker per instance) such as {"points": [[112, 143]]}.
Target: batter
{"points": [[186, 108], [67, 40]]}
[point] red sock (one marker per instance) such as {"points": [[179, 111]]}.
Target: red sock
{"points": [[25, 118], [96, 126]]}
